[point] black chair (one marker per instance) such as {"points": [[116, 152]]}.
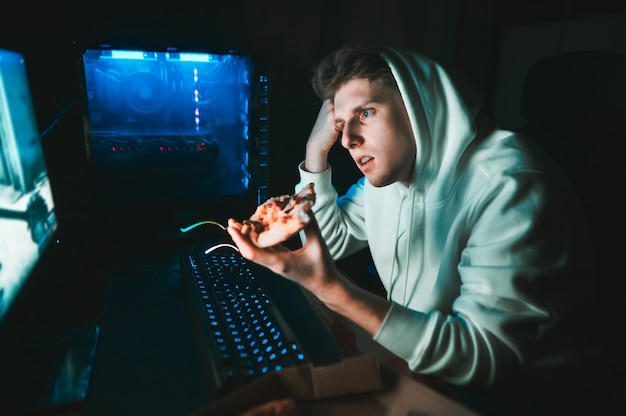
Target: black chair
{"points": [[575, 106]]}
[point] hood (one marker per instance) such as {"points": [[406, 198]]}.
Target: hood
{"points": [[442, 111]]}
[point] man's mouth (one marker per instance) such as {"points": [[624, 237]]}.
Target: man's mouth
{"points": [[364, 160]]}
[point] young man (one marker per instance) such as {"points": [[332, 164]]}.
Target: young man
{"points": [[475, 233]]}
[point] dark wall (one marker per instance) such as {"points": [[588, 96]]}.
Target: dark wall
{"points": [[290, 35]]}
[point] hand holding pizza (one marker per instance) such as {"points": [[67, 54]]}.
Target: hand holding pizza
{"points": [[311, 265], [313, 268]]}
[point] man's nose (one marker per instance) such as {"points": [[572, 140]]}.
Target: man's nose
{"points": [[350, 136]]}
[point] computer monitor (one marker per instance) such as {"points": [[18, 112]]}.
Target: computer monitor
{"points": [[176, 132], [27, 210]]}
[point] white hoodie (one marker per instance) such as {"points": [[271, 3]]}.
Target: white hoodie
{"points": [[485, 254]]}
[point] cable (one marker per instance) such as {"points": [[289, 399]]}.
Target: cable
{"points": [[199, 223], [56, 120], [215, 247]]}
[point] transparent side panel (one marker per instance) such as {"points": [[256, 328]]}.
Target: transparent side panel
{"points": [[180, 119]]}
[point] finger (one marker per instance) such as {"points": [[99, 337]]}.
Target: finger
{"points": [[235, 224], [233, 228], [247, 248], [312, 229], [241, 241]]}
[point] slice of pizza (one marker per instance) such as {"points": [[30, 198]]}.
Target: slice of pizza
{"points": [[279, 218]]}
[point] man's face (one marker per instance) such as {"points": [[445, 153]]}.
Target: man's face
{"points": [[376, 131]]}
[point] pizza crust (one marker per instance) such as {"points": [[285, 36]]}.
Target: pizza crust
{"points": [[279, 218]]}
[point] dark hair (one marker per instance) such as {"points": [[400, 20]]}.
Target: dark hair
{"points": [[351, 61]]}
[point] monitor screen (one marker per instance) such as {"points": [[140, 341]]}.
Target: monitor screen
{"points": [[172, 125], [27, 210]]}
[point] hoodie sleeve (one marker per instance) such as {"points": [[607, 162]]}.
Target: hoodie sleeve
{"points": [[341, 219]]}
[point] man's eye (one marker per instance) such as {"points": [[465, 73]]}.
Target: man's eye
{"points": [[366, 113]]}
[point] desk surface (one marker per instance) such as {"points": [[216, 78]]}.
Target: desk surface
{"points": [[147, 360]]}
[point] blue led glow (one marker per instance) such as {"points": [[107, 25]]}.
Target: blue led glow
{"points": [[121, 54], [195, 57]]}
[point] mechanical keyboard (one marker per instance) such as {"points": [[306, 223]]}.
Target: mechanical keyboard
{"points": [[243, 330]]}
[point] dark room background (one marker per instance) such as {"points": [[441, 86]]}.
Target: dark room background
{"points": [[492, 43]]}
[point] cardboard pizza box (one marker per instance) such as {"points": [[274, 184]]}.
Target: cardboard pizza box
{"points": [[358, 386]]}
